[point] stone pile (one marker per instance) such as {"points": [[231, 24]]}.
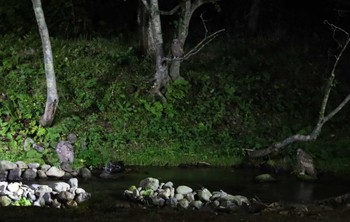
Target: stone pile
{"points": [[19, 171], [58, 195], [151, 192]]}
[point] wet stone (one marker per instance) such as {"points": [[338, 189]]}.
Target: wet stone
{"points": [[85, 173], [55, 172], [41, 174], [22, 165], [3, 175], [33, 165], [15, 175], [29, 174], [7, 165]]}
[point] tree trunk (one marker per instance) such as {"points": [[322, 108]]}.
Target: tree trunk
{"points": [[182, 33], [146, 41], [187, 9], [52, 96]]}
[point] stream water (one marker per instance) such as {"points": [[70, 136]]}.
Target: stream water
{"points": [[106, 194]]}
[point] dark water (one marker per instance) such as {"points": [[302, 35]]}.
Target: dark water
{"points": [[236, 182], [106, 196]]}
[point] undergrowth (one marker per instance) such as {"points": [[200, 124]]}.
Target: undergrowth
{"points": [[234, 96]]}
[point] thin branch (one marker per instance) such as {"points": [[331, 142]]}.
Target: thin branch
{"points": [[171, 12], [332, 76], [322, 118], [204, 25], [201, 44], [197, 48]]}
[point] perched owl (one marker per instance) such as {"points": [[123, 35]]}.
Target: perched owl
{"points": [[176, 48], [305, 163], [65, 149]]}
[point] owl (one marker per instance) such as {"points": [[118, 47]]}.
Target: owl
{"points": [[305, 163], [176, 48]]}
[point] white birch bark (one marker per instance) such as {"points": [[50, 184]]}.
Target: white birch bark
{"points": [[52, 96]]}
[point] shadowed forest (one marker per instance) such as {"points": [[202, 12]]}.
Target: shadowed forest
{"points": [[256, 73]]}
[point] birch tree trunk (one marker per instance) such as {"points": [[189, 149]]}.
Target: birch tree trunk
{"points": [[187, 8], [146, 42], [52, 96]]}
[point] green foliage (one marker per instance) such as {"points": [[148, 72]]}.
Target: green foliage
{"points": [[22, 202], [212, 114]]}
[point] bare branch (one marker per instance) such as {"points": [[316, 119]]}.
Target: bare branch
{"points": [[322, 118], [201, 44], [171, 12]]}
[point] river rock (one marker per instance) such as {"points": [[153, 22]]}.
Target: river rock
{"points": [[45, 167], [65, 196], [55, 172], [33, 165], [204, 194], [168, 185], [29, 174], [172, 202], [71, 204], [197, 204], [5, 201], [81, 197], [73, 182], [3, 185], [14, 174], [13, 187], [158, 201], [183, 203], [264, 178], [56, 204], [237, 199], [182, 189], [22, 165], [7, 165], [60, 186], [3, 175], [179, 196], [165, 193], [85, 173], [67, 176], [149, 183], [41, 174]]}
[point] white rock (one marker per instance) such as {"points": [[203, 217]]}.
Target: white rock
{"points": [[204, 194], [183, 189], [55, 172], [197, 204], [150, 183], [13, 187], [183, 203], [61, 186], [79, 191], [168, 185], [190, 197], [179, 196]]}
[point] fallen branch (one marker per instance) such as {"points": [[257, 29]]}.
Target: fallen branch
{"points": [[274, 148]]}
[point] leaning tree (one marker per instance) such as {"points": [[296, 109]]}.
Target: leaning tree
{"points": [[52, 96], [323, 117]]}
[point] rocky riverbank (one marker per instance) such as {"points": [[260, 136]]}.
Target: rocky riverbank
{"points": [[14, 191], [18, 171], [151, 192]]}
